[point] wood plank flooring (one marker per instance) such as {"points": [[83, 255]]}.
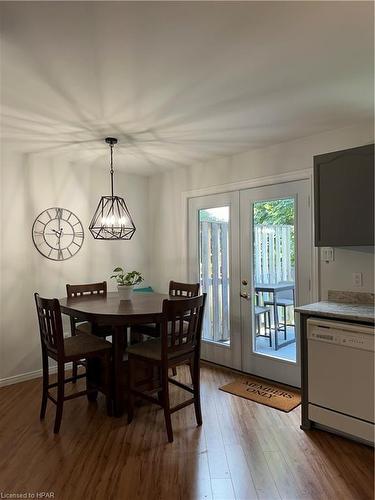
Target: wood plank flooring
{"points": [[243, 451]]}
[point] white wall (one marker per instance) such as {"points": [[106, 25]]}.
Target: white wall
{"points": [[167, 214], [30, 184], [338, 275]]}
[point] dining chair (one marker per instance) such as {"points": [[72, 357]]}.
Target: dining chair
{"points": [[176, 289], [66, 350], [179, 342], [85, 327], [81, 291]]}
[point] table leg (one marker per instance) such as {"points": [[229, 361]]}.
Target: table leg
{"points": [[119, 345], [276, 320]]}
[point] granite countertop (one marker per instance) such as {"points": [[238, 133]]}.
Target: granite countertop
{"points": [[340, 310]]}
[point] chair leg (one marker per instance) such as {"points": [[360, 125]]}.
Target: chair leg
{"points": [[284, 322], [191, 368], [160, 393], [268, 314], [45, 385], [107, 384], [197, 395], [74, 372], [74, 363], [166, 405], [60, 397], [92, 369], [130, 387]]}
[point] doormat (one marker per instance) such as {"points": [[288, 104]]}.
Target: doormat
{"points": [[267, 393]]}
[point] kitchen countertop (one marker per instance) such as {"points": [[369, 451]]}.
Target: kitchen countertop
{"points": [[340, 310]]}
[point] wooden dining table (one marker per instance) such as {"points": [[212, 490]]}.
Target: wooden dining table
{"points": [[109, 310]]}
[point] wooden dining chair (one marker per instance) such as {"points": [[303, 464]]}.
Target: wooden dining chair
{"points": [[179, 342], [80, 291], [66, 350], [77, 326], [176, 289]]}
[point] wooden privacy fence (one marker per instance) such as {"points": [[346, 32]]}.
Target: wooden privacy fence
{"points": [[214, 276], [273, 262], [273, 253]]}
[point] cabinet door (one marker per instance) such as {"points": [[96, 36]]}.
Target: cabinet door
{"points": [[344, 197]]}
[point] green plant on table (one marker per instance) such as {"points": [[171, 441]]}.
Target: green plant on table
{"points": [[128, 279]]}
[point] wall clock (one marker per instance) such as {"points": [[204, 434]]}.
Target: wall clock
{"points": [[57, 233]]}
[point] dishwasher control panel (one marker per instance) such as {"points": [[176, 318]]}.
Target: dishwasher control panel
{"points": [[347, 335]]}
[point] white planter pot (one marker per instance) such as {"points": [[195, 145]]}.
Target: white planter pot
{"points": [[125, 291]]}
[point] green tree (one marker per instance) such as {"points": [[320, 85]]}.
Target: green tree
{"points": [[205, 216], [274, 212]]}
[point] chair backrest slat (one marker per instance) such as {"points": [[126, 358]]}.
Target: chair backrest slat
{"points": [[177, 289], [50, 324], [87, 289], [182, 327]]}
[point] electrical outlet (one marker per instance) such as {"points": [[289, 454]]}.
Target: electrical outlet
{"points": [[357, 279], [327, 254]]}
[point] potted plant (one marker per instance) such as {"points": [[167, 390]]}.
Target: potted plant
{"points": [[126, 282]]}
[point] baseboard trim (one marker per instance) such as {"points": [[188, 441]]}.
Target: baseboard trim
{"points": [[24, 377]]}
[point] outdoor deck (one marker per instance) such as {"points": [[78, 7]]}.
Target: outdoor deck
{"points": [[288, 352]]}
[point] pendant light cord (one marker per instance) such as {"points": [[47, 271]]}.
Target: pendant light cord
{"points": [[111, 145]]}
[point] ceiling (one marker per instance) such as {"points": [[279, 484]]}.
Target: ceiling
{"points": [[180, 82]]}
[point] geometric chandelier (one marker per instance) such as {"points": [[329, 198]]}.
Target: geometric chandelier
{"points": [[112, 220]]}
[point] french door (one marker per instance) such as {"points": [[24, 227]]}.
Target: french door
{"points": [[251, 252]]}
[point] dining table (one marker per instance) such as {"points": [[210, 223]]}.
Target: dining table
{"points": [[109, 310]]}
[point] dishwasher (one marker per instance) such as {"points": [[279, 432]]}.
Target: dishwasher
{"points": [[341, 378]]}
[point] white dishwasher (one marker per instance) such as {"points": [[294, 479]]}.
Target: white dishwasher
{"points": [[341, 377]]}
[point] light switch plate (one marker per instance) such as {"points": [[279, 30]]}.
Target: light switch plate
{"points": [[327, 254]]}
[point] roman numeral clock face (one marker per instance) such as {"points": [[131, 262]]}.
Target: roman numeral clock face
{"points": [[57, 233]]}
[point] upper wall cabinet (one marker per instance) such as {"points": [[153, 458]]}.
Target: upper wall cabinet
{"points": [[344, 197]]}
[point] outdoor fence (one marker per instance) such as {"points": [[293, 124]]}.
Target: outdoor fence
{"points": [[273, 262]]}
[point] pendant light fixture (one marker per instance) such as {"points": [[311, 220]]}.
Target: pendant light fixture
{"points": [[112, 220]]}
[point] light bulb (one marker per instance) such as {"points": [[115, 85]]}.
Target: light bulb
{"points": [[113, 220]]}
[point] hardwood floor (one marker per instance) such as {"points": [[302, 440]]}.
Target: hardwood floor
{"points": [[243, 451]]}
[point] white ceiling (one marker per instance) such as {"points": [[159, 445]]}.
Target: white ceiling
{"points": [[181, 82]]}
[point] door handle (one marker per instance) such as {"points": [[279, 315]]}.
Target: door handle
{"points": [[245, 296]]}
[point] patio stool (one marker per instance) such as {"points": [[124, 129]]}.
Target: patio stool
{"points": [[258, 311], [283, 299]]}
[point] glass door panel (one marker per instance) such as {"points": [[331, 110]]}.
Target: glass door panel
{"points": [[274, 253], [214, 272]]}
